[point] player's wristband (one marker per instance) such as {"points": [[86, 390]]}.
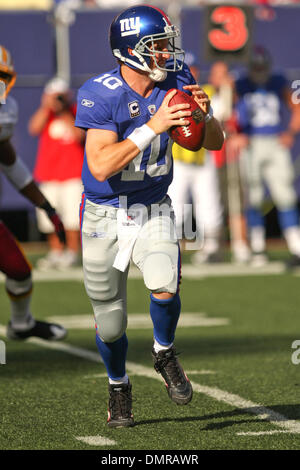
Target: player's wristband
{"points": [[17, 173], [209, 115], [142, 137]]}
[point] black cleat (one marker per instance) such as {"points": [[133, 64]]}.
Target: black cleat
{"points": [[293, 263], [119, 406], [178, 385], [40, 329]]}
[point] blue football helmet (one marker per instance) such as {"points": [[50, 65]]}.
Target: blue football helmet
{"points": [[133, 35]]}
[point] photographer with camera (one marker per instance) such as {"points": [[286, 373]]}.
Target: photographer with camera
{"points": [[58, 169]]}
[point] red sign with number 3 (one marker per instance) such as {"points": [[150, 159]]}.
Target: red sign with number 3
{"points": [[234, 32]]}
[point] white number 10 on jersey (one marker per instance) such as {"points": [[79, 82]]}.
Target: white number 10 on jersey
{"points": [[134, 171]]}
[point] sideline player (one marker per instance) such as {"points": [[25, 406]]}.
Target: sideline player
{"points": [[128, 159], [13, 263], [267, 158]]}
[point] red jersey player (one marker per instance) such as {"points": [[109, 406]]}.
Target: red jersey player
{"points": [[13, 263]]}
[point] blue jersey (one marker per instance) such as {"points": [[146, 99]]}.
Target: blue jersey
{"points": [[107, 102], [260, 106]]}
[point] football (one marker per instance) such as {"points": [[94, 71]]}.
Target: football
{"points": [[189, 137]]}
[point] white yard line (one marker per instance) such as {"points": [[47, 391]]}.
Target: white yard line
{"points": [[188, 272], [233, 400], [97, 441], [249, 407], [188, 372], [230, 269], [263, 433], [140, 320]]}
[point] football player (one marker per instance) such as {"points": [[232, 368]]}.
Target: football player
{"points": [[13, 263], [262, 95], [125, 211]]}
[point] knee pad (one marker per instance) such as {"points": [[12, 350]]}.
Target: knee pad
{"points": [[284, 197], [160, 274], [111, 319], [13, 263], [256, 196], [18, 289], [101, 282]]}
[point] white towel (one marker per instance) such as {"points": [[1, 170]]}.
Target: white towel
{"points": [[129, 224]]}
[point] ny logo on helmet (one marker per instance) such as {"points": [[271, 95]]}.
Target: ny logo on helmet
{"points": [[130, 26]]}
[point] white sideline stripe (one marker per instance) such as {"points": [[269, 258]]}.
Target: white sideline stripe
{"points": [[250, 407], [96, 440], [188, 372], [262, 433], [233, 400], [60, 346], [188, 271], [140, 320]]}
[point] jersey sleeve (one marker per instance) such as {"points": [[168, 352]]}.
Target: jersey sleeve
{"points": [[8, 118], [6, 131], [93, 111]]}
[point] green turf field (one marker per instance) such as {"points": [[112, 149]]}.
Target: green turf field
{"points": [[246, 388]]}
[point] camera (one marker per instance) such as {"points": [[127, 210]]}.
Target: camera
{"points": [[62, 99]]}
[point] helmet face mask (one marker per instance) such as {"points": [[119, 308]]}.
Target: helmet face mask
{"points": [[146, 47], [135, 34], [7, 72]]}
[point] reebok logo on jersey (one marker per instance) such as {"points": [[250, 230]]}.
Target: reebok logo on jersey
{"points": [[134, 109], [130, 26], [87, 103], [97, 235]]}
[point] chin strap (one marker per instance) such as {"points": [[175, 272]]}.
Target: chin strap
{"points": [[156, 74]]}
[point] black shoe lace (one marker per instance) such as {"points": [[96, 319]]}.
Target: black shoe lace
{"points": [[120, 403], [170, 365]]}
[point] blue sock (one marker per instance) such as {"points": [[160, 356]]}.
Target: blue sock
{"points": [[114, 356], [254, 217], [165, 315], [288, 218]]}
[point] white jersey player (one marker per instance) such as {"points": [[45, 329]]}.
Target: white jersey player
{"points": [[13, 263], [267, 159]]}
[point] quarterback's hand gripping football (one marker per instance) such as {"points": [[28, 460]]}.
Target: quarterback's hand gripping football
{"points": [[168, 116], [199, 96]]}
